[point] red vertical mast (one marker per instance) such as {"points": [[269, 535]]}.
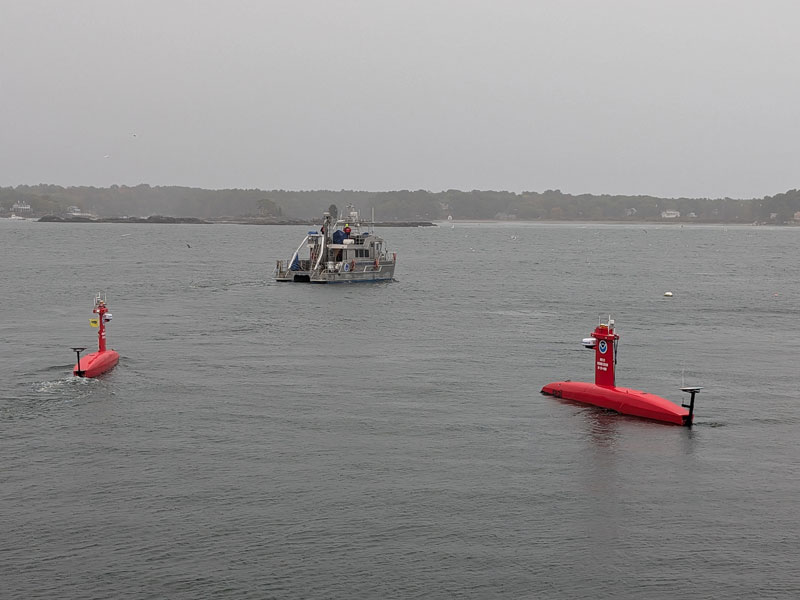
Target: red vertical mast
{"points": [[100, 309], [604, 354]]}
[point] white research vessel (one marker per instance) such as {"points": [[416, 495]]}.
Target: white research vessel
{"points": [[344, 250]]}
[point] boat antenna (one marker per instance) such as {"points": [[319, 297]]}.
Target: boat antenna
{"points": [[79, 372], [616, 343], [690, 390]]}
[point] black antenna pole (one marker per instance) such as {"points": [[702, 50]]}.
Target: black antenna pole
{"points": [[690, 406], [78, 371]]}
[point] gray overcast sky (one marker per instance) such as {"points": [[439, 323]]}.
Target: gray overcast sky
{"points": [[692, 98]]}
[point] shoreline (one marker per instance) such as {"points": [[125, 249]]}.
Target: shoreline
{"points": [[159, 219], [217, 221]]}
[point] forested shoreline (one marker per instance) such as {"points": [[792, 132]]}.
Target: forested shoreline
{"points": [[143, 201]]}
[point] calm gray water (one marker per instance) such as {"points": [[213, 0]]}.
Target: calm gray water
{"points": [[263, 440]]}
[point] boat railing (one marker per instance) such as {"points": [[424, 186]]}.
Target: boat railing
{"points": [[285, 266]]}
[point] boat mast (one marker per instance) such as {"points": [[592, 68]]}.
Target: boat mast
{"points": [[100, 309], [326, 236]]}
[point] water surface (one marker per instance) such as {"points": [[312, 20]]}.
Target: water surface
{"points": [[389, 441]]}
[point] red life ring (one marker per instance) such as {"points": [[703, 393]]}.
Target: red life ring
{"points": [[376, 264]]}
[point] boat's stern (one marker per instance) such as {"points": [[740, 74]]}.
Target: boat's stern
{"points": [[299, 271]]}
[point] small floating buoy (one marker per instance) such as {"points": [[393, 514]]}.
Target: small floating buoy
{"points": [[668, 294]]}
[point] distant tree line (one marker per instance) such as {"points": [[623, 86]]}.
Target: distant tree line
{"points": [[141, 201], [403, 205]]}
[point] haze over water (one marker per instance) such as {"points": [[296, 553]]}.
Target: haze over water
{"points": [[389, 441]]}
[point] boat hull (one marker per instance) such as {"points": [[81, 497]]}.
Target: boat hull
{"points": [[622, 400], [96, 363], [366, 273]]}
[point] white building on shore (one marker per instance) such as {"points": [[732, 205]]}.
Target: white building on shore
{"points": [[22, 208]]}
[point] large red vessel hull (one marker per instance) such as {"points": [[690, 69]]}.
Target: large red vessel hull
{"points": [[97, 363], [622, 400]]}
